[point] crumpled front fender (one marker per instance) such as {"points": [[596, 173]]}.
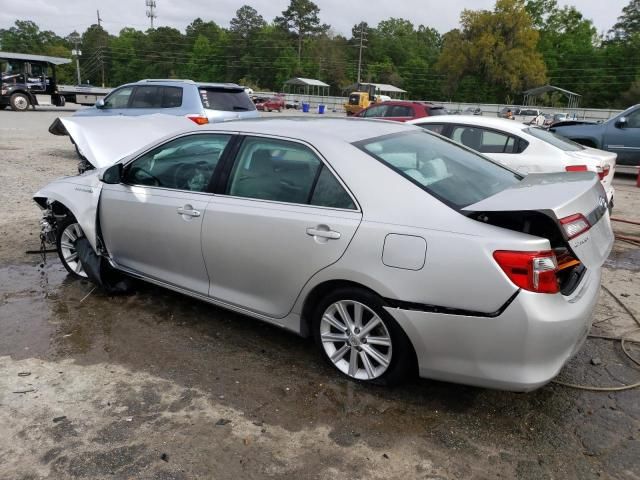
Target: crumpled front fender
{"points": [[80, 195]]}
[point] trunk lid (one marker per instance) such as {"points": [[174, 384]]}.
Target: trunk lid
{"points": [[557, 196]]}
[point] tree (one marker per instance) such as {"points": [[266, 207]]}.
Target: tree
{"points": [[246, 22], [497, 47], [629, 22], [301, 19]]}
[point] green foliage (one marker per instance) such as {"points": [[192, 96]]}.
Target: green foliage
{"points": [[499, 46], [492, 57]]}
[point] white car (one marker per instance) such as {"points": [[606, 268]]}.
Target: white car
{"points": [[524, 148]]}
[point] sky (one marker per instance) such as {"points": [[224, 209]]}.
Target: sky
{"points": [[63, 16]]}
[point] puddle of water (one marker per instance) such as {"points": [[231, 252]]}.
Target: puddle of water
{"points": [[625, 259]]}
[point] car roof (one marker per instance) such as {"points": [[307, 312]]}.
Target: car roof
{"points": [[173, 81], [512, 126], [312, 129]]}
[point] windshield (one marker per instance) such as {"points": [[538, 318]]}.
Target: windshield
{"points": [[451, 173], [554, 139], [225, 99]]}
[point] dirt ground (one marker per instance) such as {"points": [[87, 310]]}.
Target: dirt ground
{"points": [[155, 385]]}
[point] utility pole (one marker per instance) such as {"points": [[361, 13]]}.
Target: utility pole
{"points": [[101, 59], [151, 4], [362, 46], [99, 19], [75, 39]]}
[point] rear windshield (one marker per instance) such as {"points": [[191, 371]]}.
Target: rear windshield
{"points": [[225, 99], [554, 139], [438, 111], [447, 171]]}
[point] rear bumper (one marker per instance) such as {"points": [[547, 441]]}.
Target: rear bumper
{"points": [[520, 350]]}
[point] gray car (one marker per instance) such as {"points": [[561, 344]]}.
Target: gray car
{"points": [[198, 101], [396, 249]]}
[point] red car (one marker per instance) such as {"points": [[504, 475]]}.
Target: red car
{"points": [[273, 103], [401, 111]]}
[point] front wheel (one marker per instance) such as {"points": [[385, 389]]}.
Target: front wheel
{"points": [[68, 234], [19, 102], [358, 337]]}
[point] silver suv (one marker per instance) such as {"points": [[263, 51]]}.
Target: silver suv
{"points": [[200, 102]]}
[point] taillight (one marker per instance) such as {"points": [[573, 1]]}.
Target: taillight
{"points": [[532, 271], [576, 168], [574, 225], [603, 171], [199, 119]]}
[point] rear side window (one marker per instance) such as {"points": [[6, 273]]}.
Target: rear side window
{"points": [[433, 127], [450, 173], [399, 111], [153, 96], [226, 99], [282, 171], [484, 141], [433, 111]]}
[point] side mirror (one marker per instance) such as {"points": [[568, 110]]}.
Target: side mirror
{"points": [[100, 103], [112, 175], [621, 122]]}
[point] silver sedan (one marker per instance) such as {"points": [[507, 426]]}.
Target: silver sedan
{"points": [[397, 250]]}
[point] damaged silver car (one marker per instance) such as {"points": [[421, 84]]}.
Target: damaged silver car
{"points": [[397, 250]]}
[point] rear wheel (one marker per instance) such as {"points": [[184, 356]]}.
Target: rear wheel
{"points": [[69, 232], [19, 102], [359, 338]]}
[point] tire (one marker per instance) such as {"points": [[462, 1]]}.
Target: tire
{"points": [[391, 361], [266, 109], [68, 231], [19, 102]]}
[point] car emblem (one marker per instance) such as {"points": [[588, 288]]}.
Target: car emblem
{"points": [[603, 203]]}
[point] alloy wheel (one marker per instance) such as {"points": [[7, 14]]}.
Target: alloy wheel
{"points": [[68, 251], [356, 340]]}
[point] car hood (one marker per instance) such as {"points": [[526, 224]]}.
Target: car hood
{"points": [[102, 141]]}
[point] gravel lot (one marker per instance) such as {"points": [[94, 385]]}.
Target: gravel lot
{"points": [[156, 385]]}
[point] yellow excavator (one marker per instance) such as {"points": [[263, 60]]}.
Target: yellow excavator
{"points": [[364, 96]]}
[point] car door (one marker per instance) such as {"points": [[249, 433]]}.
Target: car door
{"points": [[282, 216], [151, 222], [116, 102], [623, 138]]}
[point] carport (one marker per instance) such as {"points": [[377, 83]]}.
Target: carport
{"points": [[573, 99], [306, 86]]}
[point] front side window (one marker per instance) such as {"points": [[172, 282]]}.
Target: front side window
{"points": [[554, 139], [633, 119], [376, 111], [282, 171], [119, 98], [484, 141], [450, 173], [186, 163]]}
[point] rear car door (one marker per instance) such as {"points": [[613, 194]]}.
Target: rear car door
{"points": [[151, 222], [624, 139], [282, 216]]}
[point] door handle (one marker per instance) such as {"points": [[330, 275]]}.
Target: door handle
{"points": [[188, 212], [316, 232]]}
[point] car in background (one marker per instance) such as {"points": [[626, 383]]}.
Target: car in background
{"points": [[275, 103], [527, 115], [420, 255], [200, 102], [504, 112], [472, 111], [401, 111], [525, 148], [619, 135]]}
